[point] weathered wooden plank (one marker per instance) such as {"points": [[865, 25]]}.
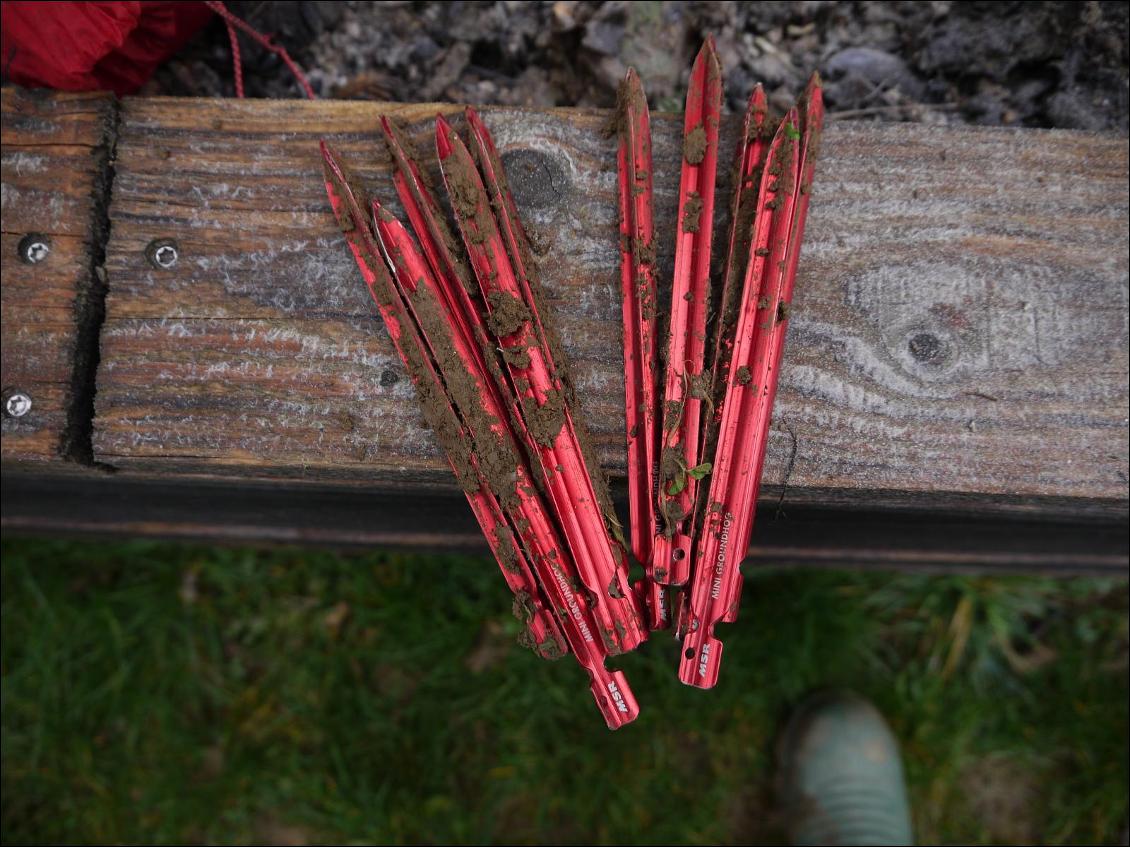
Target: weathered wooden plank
{"points": [[960, 330], [52, 169]]}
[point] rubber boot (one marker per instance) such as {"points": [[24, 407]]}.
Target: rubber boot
{"points": [[841, 777]]}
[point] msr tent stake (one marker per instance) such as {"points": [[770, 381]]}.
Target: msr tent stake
{"points": [[753, 144], [552, 440], [544, 633], [751, 384], [685, 388], [447, 270], [638, 293], [489, 427]]}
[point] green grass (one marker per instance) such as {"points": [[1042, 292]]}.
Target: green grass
{"points": [[161, 692]]}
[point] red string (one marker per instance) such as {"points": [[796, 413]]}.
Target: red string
{"points": [[233, 23], [236, 59]]}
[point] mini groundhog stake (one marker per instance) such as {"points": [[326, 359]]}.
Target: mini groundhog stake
{"points": [[684, 385], [544, 634], [448, 271], [639, 297], [408, 299], [488, 423], [751, 384], [749, 166], [601, 562]]}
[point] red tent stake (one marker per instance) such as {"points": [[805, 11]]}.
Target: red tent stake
{"points": [[552, 440], [638, 292], [751, 384], [686, 385]]}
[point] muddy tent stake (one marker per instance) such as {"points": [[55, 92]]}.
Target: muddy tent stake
{"points": [[684, 389], [637, 284], [538, 529], [753, 143], [446, 336], [544, 634], [719, 552], [553, 444], [751, 385], [457, 289], [435, 237], [517, 244], [749, 165]]}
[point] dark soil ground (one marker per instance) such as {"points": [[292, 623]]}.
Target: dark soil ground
{"points": [[1029, 64]]}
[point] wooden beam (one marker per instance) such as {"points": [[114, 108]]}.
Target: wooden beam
{"points": [[960, 324], [56, 151], [954, 393]]}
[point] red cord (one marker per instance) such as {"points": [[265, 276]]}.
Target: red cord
{"points": [[236, 59], [233, 23]]}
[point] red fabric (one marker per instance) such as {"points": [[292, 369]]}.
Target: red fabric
{"points": [[93, 46]]}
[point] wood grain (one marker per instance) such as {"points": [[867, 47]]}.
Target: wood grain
{"points": [[51, 169], [960, 329]]}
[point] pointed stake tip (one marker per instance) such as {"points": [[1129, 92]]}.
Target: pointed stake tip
{"points": [[480, 135], [815, 96], [699, 58], [631, 91], [331, 162], [707, 63], [443, 137], [383, 216]]}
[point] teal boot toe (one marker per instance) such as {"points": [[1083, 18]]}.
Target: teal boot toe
{"points": [[841, 774]]}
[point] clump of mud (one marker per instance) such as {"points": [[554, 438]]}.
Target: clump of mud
{"points": [[694, 145], [508, 314]]}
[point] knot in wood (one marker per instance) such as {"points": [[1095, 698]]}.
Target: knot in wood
{"points": [[538, 180]]}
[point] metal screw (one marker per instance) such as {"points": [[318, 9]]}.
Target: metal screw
{"points": [[162, 253], [16, 404], [34, 248], [166, 256]]}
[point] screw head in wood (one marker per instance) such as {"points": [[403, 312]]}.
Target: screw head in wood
{"points": [[16, 404], [34, 248], [162, 253]]}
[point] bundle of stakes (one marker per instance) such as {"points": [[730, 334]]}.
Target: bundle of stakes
{"points": [[468, 320]]}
